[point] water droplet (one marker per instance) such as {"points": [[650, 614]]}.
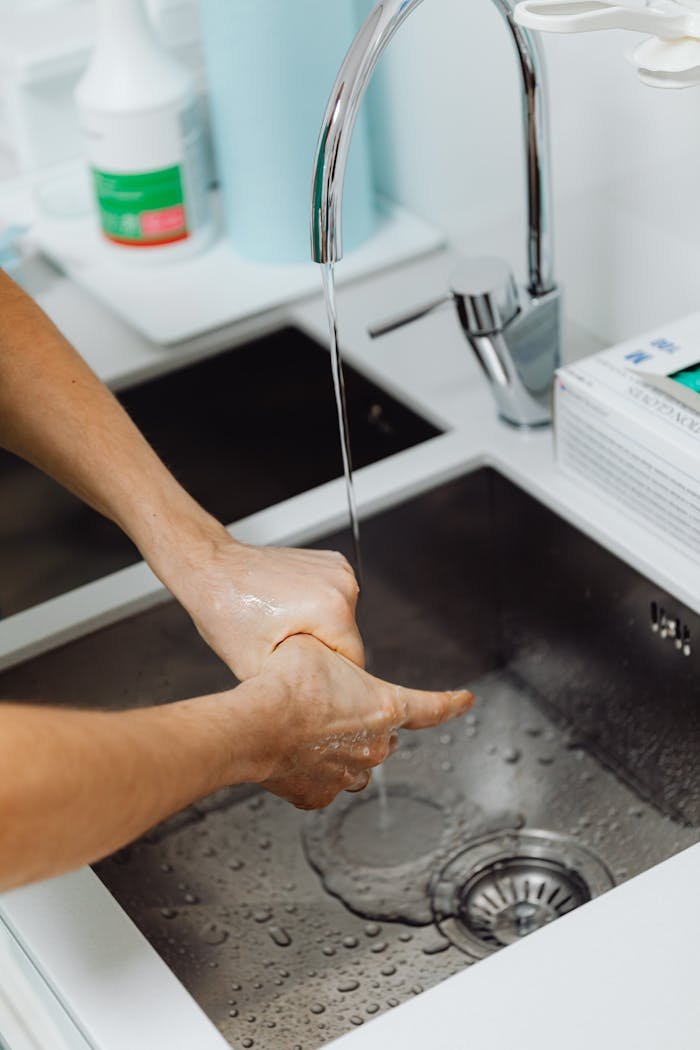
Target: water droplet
{"points": [[417, 989], [392, 1002], [247, 1042], [380, 946], [372, 930], [256, 803], [262, 915], [169, 913], [328, 949], [350, 942], [233, 1012], [388, 970], [446, 738], [512, 755], [167, 868], [317, 1008], [290, 908], [212, 933], [348, 986], [191, 898], [251, 1018], [235, 987], [235, 864], [372, 1008], [280, 936], [283, 973], [446, 767], [270, 1024], [436, 945], [264, 843], [545, 760], [356, 1020], [406, 937]]}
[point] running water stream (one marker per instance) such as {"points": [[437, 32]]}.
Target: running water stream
{"points": [[344, 429]]}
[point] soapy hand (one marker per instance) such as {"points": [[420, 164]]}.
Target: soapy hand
{"points": [[333, 722], [246, 600]]}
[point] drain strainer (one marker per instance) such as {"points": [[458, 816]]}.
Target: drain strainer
{"points": [[502, 887]]}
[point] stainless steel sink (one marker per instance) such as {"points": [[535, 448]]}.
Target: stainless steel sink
{"points": [[242, 430], [577, 770]]}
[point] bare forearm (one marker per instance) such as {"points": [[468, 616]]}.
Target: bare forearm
{"points": [[56, 413], [76, 785]]}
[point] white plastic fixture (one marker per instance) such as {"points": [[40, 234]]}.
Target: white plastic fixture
{"points": [[669, 58]]}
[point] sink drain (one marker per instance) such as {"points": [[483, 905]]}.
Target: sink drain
{"points": [[502, 887]]}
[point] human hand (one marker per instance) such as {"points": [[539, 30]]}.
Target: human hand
{"points": [[246, 600], [329, 722]]}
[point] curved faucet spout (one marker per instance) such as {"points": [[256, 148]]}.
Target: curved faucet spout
{"points": [[341, 115]]}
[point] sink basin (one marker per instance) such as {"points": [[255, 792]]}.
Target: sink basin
{"points": [[576, 770], [242, 431]]}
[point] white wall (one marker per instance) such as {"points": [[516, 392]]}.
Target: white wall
{"points": [[626, 160]]}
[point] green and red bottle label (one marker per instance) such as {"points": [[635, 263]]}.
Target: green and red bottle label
{"points": [[142, 210]]}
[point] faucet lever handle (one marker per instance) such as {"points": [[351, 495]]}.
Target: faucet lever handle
{"points": [[400, 320], [486, 295]]}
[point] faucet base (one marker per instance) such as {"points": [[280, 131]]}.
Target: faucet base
{"points": [[519, 358]]}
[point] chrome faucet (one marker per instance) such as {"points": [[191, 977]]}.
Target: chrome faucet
{"points": [[514, 333]]}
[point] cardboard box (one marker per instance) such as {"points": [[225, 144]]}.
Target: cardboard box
{"points": [[627, 422]]}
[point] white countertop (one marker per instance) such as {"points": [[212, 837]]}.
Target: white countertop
{"points": [[620, 971]]}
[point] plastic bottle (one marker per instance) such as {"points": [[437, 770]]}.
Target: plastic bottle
{"points": [[141, 123]]}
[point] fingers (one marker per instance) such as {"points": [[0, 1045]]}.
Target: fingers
{"points": [[421, 710], [361, 782]]}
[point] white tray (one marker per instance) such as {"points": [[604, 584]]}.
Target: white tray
{"points": [[176, 301]]}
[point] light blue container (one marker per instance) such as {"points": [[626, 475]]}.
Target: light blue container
{"points": [[271, 65]]}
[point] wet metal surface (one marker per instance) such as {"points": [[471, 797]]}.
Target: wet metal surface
{"points": [[232, 904], [587, 725]]}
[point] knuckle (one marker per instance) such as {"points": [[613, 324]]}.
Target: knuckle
{"points": [[340, 603], [388, 709], [380, 752], [304, 804], [380, 747], [327, 795], [342, 560]]}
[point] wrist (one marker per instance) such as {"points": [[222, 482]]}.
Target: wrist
{"points": [[252, 716], [179, 541]]}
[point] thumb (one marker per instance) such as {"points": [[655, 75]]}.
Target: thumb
{"points": [[422, 710]]}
